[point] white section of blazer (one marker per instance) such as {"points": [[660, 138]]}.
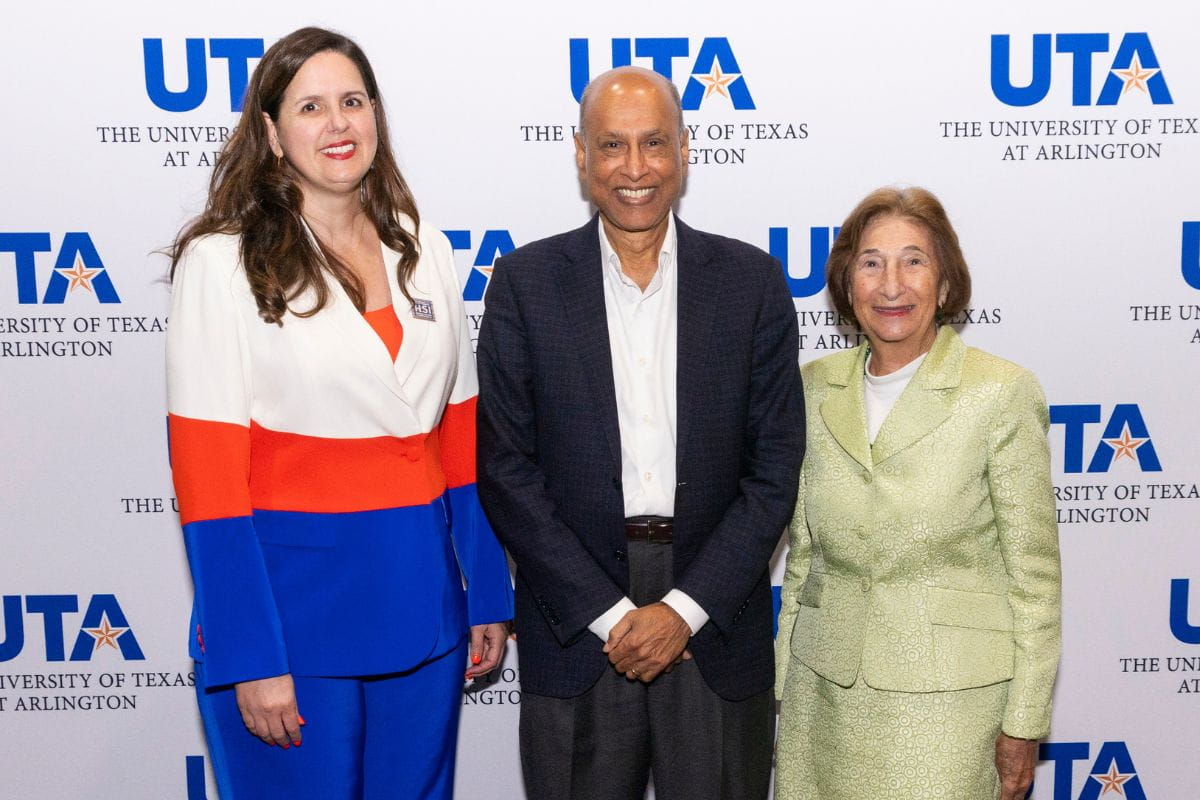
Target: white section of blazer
{"points": [[327, 375]]}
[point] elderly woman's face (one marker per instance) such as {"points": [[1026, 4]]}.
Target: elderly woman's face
{"points": [[894, 286], [326, 126]]}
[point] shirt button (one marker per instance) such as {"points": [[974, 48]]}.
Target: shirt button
{"points": [[641, 362], [645, 417], [647, 476], [866, 584]]}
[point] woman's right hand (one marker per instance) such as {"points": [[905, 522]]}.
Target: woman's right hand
{"points": [[269, 710], [1015, 760]]}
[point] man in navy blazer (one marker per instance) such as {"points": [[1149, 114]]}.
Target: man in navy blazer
{"points": [[641, 428]]}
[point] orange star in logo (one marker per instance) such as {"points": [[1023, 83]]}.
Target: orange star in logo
{"points": [[1135, 76], [105, 635], [716, 82], [79, 275], [1124, 446], [1112, 781]]}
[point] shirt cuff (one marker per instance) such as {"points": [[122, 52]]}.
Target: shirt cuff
{"points": [[689, 609], [602, 625]]}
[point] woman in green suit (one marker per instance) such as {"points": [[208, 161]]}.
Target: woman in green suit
{"points": [[919, 633]]}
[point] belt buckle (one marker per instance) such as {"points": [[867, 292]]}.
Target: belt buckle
{"points": [[652, 530]]}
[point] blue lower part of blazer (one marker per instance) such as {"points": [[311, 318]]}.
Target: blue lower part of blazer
{"points": [[354, 593]]}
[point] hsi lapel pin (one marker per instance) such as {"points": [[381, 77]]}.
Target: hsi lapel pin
{"points": [[423, 309]]}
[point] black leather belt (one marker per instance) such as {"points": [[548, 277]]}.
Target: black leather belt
{"points": [[659, 530]]}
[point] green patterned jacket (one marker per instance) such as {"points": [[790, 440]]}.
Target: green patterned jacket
{"points": [[929, 560]]}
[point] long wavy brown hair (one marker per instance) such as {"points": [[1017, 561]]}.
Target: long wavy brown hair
{"points": [[255, 195]]}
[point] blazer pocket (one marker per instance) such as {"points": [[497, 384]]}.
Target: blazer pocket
{"points": [[972, 637], [829, 628], [294, 529], [970, 609]]}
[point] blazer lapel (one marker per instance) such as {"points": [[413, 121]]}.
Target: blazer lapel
{"points": [[698, 296], [416, 331], [844, 413], [924, 404], [360, 339], [582, 285]]}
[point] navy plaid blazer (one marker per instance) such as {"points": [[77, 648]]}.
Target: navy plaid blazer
{"points": [[549, 454]]}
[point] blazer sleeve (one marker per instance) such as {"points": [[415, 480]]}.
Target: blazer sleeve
{"points": [[799, 557], [480, 556], [237, 632], [1022, 495], [733, 558], [569, 586]]}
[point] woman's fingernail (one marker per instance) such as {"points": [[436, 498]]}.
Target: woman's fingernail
{"points": [[271, 743], [296, 742], [476, 658], [302, 722]]}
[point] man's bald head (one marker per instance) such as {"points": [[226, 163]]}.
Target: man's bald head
{"points": [[624, 79], [632, 151]]}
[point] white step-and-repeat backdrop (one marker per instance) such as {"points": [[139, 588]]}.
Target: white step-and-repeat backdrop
{"points": [[1063, 138]]}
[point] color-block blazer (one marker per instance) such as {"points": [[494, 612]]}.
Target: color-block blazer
{"points": [[929, 560], [327, 494], [550, 451]]}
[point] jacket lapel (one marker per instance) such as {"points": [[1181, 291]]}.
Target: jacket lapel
{"points": [[416, 331], [360, 339], [582, 285], [924, 405], [844, 413], [698, 295]]}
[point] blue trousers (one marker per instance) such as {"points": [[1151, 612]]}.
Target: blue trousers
{"points": [[386, 736]]}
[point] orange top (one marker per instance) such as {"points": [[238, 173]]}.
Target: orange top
{"points": [[387, 326]]}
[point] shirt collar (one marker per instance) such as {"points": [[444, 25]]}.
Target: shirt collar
{"points": [[666, 254]]}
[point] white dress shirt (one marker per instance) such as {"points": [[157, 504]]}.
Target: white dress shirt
{"points": [[882, 391], [642, 336]]}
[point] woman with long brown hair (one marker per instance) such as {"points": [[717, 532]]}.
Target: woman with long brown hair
{"points": [[321, 391]]}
